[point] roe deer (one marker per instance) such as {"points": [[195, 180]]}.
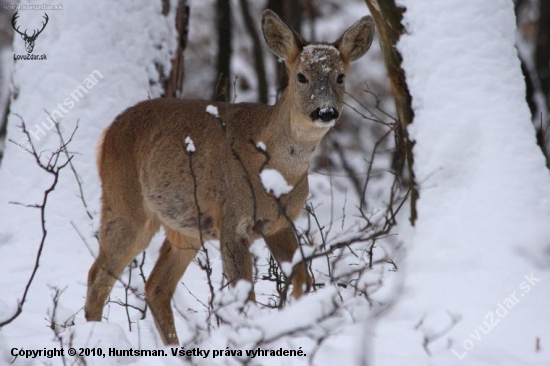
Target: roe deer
{"points": [[193, 167]]}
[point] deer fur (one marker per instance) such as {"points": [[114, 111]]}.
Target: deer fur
{"points": [[150, 178]]}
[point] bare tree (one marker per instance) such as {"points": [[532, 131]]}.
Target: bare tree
{"points": [[542, 64], [174, 84], [6, 39], [387, 17], [249, 22], [222, 84], [533, 18], [542, 52], [290, 11]]}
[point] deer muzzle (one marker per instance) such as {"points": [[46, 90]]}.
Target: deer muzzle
{"points": [[325, 114]]}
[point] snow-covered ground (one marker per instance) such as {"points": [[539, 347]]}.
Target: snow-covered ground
{"points": [[478, 257]]}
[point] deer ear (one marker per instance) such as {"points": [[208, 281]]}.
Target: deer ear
{"points": [[282, 40], [356, 41]]}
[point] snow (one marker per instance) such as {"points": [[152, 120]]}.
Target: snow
{"points": [[190, 144], [274, 182], [286, 268], [307, 311], [478, 254], [484, 209], [319, 49], [306, 252], [213, 110], [317, 53]]}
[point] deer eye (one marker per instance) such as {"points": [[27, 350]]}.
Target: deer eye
{"points": [[340, 79], [302, 79]]}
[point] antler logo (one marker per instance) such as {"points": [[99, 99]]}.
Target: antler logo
{"points": [[29, 40]]}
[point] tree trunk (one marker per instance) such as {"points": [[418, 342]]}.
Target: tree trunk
{"points": [[258, 54], [222, 88], [542, 53], [290, 11], [387, 17], [542, 63], [173, 87]]}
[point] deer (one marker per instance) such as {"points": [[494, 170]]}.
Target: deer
{"points": [[193, 168], [29, 40]]}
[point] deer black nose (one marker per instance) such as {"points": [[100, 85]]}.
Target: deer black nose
{"points": [[325, 114]]}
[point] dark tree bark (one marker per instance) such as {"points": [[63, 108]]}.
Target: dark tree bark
{"points": [[542, 53], [529, 88], [6, 39], [542, 64], [312, 15], [222, 88], [249, 22], [3, 130], [387, 17], [536, 67], [173, 87], [290, 11]]}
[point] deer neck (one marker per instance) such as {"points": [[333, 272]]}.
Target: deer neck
{"points": [[291, 141]]}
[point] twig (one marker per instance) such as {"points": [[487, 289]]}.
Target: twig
{"points": [[52, 168]]}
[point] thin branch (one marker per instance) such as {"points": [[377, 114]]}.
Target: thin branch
{"points": [[54, 170]]}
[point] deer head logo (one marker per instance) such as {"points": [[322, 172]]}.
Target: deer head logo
{"points": [[29, 40]]}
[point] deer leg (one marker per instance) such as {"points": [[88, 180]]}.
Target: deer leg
{"points": [[120, 242], [237, 260], [161, 285], [283, 245]]}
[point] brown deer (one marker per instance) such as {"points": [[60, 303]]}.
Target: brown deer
{"points": [[193, 167]]}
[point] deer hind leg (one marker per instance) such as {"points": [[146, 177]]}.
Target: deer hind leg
{"points": [[121, 240], [283, 245], [175, 255]]}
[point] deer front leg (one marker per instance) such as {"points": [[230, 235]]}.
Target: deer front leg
{"points": [[283, 245], [235, 240]]}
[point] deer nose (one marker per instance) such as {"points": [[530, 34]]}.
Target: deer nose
{"points": [[325, 114]]}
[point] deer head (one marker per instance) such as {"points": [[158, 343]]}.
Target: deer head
{"points": [[29, 40], [316, 71]]}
